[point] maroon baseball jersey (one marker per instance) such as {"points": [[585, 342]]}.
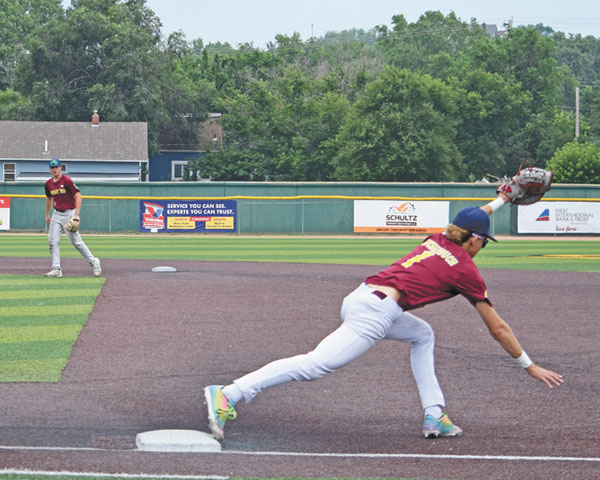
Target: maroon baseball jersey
{"points": [[62, 192], [435, 270]]}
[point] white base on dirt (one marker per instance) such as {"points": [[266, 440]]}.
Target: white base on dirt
{"points": [[176, 441], [164, 269]]}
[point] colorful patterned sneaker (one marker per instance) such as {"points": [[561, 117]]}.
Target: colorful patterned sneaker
{"points": [[55, 272], [96, 267], [219, 410], [440, 427]]}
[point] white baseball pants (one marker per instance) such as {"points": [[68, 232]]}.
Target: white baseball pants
{"points": [[366, 318], [56, 229]]}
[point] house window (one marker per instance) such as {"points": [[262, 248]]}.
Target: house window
{"points": [[177, 169], [10, 172]]}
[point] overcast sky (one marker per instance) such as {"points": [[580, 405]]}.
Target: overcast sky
{"points": [[258, 21]]}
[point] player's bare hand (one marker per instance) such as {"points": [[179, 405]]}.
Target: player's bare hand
{"points": [[47, 218], [549, 377]]}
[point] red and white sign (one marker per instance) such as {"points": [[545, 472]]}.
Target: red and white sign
{"points": [[4, 213]]}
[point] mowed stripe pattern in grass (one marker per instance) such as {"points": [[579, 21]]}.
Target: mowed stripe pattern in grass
{"points": [[515, 253], [40, 319]]}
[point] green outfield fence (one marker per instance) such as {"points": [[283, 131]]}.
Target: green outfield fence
{"points": [[264, 207]]}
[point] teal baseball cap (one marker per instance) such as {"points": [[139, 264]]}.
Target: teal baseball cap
{"points": [[475, 220], [55, 162]]}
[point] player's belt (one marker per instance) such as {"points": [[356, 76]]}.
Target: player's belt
{"points": [[379, 294]]}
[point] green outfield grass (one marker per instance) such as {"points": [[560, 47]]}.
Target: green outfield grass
{"points": [[527, 254], [36, 336]]}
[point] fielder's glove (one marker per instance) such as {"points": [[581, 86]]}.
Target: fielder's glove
{"points": [[528, 186], [73, 224]]}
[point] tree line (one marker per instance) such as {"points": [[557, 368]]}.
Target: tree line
{"points": [[434, 100]]}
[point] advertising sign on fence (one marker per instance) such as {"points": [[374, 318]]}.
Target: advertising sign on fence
{"points": [[393, 216], [559, 218], [4, 213], [188, 216]]}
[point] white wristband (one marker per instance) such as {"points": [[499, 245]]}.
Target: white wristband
{"points": [[496, 204], [523, 360]]}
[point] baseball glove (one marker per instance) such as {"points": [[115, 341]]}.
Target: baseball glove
{"points": [[528, 186], [73, 224]]}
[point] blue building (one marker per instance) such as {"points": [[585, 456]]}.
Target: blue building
{"points": [[170, 163]]}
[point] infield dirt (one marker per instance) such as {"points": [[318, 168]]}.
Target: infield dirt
{"points": [[153, 341]]}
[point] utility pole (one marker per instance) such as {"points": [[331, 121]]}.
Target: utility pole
{"points": [[509, 24], [576, 112]]}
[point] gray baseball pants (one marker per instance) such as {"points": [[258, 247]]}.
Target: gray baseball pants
{"points": [[55, 231]]}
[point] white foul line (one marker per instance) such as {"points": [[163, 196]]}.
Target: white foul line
{"points": [[510, 458], [111, 475]]}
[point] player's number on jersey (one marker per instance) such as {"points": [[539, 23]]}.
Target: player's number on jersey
{"points": [[417, 258]]}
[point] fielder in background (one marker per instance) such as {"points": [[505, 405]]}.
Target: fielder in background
{"points": [[64, 195], [438, 269]]}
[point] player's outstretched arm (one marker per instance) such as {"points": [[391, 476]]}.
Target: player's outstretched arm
{"points": [[525, 188], [496, 204], [503, 334]]}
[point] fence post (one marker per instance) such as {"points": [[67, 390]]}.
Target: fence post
{"points": [[302, 216]]}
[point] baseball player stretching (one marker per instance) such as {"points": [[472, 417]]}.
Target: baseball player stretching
{"points": [[64, 195], [438, 269]]}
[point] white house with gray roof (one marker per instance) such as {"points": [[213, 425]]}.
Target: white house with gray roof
{"points": [[108, 151]]}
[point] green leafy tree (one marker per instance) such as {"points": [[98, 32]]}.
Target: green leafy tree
{"points": [[459, 104], [353, 36], [18, 18], [524, 59], [525, 56], [559, 132], [491, 111], [98, 47], [278, 129], [14, 106], [107, 56], [590, 110], [187, 96], [402, 129], [580, 54], [434, 40], [531, 62], [234, 70], [576, 162], [580, 59]]}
